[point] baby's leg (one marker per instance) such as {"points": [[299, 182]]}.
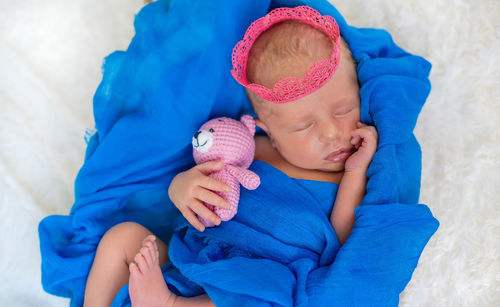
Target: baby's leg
{"points": [[110, 270]]}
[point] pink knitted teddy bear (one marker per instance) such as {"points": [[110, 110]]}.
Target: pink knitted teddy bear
{"points": [[231, 141]]}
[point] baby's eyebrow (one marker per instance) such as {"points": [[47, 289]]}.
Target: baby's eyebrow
{"points": [[296, 122], [300, 120], [303, 117]]}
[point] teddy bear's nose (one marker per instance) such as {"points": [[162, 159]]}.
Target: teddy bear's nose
{"points": [[196, 134]]}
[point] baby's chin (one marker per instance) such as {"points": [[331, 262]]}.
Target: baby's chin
{"points": [[327, 167], [332, 169]]}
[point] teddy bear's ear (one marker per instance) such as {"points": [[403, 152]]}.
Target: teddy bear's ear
{"points": [[249, 122]]}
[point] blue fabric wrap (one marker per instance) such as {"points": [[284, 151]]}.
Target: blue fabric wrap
{"points": [[174, 76]]}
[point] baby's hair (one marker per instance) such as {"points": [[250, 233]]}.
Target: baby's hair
{"points": [[287, 49]]}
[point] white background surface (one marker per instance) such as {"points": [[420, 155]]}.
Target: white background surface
{"points": [[50, 57]]}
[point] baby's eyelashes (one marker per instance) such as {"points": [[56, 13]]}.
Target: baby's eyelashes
{"points": [[305, 127], [343, 111]]}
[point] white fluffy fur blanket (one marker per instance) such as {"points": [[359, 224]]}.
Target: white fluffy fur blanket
{"points": [[50, 58]]}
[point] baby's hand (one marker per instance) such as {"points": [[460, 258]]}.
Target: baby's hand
{"points": [[365, 140], [188, 190]]}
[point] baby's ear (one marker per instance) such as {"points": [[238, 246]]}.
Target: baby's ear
{"points": [[261, 124]]}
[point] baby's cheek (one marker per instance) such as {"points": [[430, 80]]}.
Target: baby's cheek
{"points": [[307, 150], [350, 124], [356, 117]]}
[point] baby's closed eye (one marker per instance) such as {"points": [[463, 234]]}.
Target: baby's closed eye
{"points": [[303, 127], [343, 111]]}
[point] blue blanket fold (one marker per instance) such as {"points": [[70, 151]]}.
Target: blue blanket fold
{"points": [[280, 249]]}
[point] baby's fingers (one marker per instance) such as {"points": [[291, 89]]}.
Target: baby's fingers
{"points": [[210, 197], [367, 133], [190, 216], [214, 184], [210, 166], [356, 141], [199, 208]]}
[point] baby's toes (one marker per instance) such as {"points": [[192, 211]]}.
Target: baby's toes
{"points": [[148, 257], [151, 250], [148, 251], [155, 252], [148, 238], [141, 262], [134, 270]]}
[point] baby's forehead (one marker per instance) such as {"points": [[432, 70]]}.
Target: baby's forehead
{"points": [[294, 110], [328, 96]]}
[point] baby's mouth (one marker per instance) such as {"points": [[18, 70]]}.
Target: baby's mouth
{"points": [[339, 155]]}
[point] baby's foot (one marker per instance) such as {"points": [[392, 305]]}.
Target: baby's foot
{"points": [[146, 284]]}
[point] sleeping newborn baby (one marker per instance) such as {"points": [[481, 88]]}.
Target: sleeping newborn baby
{"points": [[301, 80]]}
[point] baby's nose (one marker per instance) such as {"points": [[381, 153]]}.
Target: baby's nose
{"points": [[331, 132]]}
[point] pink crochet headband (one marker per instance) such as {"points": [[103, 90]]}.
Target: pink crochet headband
{"points": [[291, 88]]}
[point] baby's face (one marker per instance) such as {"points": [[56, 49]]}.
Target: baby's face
{"points": [[308, 130]]}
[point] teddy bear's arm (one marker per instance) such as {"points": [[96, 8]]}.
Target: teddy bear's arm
{"points": [[247, 178]]}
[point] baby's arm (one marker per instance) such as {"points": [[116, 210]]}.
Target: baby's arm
{"points": [[352, 187], [349, 195]]}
